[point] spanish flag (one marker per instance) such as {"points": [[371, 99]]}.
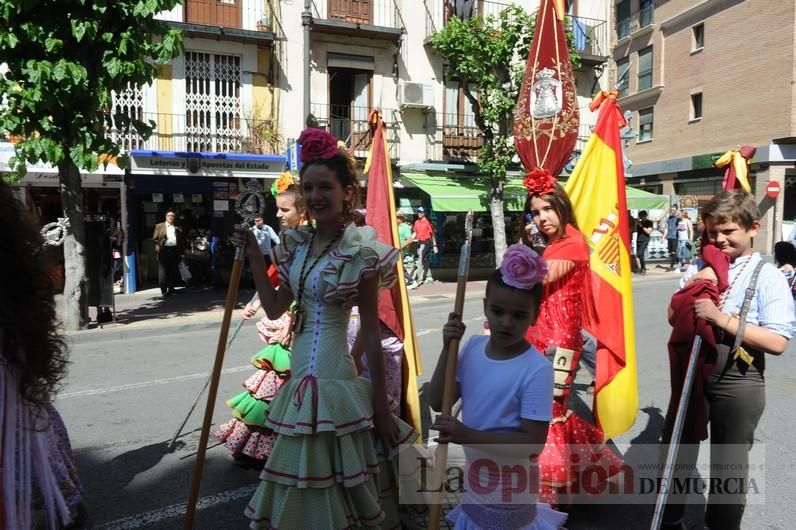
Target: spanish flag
{"points": [[596, 188], [393, 303]]}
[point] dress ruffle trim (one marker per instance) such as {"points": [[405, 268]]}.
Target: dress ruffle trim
{"points": [[546, 519], [358, 255], [274, 357], [311, 405], [248, 440], [265, 384], [343, 478]]}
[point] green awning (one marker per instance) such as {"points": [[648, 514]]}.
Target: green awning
{"points": [[643, 200], [462, 194]]}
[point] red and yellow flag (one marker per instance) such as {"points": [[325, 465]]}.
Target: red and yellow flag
{"points": [[596, 188], [393, 303]]}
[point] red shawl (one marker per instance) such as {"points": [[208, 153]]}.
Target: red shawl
{"points": [[568, 302], [685, 326]]}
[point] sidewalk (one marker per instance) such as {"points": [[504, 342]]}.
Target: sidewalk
{"points": [[146, 312]]}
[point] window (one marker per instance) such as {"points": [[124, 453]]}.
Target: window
{"points": [[623, 76], [622, 19], [212, 102], [699, 37], [645, 16], [645, 124], [696, 106], [645, 69]]}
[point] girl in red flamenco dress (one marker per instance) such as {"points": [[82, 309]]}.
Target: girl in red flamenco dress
{"points": [[567, 305]]}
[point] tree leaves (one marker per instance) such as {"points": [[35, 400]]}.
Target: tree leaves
{"points": [[64, 61]]}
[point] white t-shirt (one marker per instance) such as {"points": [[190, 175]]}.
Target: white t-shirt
{"points": [[496, 395], [171, 236]]}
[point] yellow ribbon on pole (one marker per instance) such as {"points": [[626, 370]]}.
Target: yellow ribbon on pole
{"points": [[739, 164]]}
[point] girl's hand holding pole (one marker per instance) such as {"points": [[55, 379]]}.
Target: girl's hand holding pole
{"points": [[453, 329], [450, 430], [244, 239]]}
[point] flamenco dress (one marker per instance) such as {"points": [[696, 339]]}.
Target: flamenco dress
{"points": [[573, 444], [246, 433], [326, 470]]}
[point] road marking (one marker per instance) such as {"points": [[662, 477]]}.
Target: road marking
{"points": [[155, 382], [176, 510]]}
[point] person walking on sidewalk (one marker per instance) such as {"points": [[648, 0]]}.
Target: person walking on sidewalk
{"points": [[426, 242], [643, 231], [407, 241], [670, 235], [168, 244], [265, 236]]}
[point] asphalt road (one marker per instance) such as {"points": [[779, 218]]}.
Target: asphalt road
{"points": [[124, 399]]}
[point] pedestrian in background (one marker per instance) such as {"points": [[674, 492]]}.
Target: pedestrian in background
{"points": [[407, 244], [426, 243], [39, 486], [685, 238], [643, 231], [168, 245], [265, 236], [670, 235]]}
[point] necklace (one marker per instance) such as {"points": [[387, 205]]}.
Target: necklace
{"points": [[725, 294], [297, 324]]}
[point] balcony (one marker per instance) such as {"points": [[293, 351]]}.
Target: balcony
{"points": [[438, 12], [350, 124], [238, 20], [380, 19], [201, 132], [591, 39], [638, 21], [453, 139]]}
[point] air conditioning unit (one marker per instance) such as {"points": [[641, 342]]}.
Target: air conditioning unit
{"points": [[416, 96]]}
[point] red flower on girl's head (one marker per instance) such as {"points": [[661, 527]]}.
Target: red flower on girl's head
{"points": [[539, 182], [317, 144]]}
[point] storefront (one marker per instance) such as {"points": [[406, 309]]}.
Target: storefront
{"points": [[210, 193], [103, 201], [448, 199]]}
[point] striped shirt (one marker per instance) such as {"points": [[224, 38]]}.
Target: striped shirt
{"points": [[771, 308]]}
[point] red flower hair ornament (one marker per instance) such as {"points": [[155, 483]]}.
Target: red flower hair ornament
{"points": [[539, 182], [317, 144]]}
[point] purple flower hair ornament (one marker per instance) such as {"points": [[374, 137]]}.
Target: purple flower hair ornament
{"points": [[522, 268]]}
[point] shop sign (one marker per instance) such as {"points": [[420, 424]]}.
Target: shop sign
{"points": [[205, 167]]}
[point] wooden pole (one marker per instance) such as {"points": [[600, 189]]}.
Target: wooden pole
{"points": [[232, 297], [441, 461]]}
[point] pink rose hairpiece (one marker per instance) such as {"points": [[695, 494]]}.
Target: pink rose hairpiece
{"points": [[539, 182], [522, 268], [317, 144]]}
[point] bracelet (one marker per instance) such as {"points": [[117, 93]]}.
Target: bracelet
{"points": [[729, 317]]}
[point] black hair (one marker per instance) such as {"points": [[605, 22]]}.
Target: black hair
{"points": [[785, 253], [496, 280], [642, 212], [29, 342]]}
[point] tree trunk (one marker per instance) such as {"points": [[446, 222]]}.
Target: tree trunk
{"points": [[76, 281], [498, 222]]}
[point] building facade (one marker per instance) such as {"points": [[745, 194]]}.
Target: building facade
{"points": [[696, 88]]}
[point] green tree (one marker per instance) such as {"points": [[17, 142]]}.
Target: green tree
{"points": [[487, 57], [65, 59]]}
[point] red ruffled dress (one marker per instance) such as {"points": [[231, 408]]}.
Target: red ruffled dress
{"points": [[572, 442]]}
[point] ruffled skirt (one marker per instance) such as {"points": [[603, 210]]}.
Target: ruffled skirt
{"points": [[326, 457], [505, 517], [246, 433], [573, 444]]}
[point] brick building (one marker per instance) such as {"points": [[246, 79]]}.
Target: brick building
{"points": [[704, 77]]}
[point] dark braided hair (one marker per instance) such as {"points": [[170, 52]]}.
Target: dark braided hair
{"points": [[29, 342]]}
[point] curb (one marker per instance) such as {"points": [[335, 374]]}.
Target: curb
{"points": [[210, 319]]}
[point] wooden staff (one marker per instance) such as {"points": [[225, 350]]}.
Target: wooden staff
{"points": [[441, 460], [677, 432], [232, 297]]}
